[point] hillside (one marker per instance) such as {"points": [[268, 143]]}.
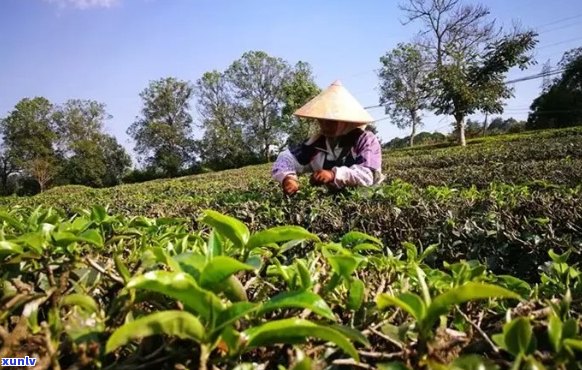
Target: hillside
{"points": [[552, 156], [500, 218]]}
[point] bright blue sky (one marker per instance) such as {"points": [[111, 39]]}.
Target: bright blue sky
{"points": [[108, 50]]}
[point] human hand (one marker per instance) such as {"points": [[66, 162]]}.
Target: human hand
{"points": [[321, 177], [290, 185]]}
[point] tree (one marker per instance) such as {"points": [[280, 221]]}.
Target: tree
{"points": [[117, 160], [43, 170], [28, 132], [402, 76], [29, 140], [422, 138], [560, 105], [297, 91], [546, 81], [372, 128], [470, 57], [473, 128], [78, 121], [7, 168], [222, 145], [163, 132], [497, 125], [86, 166], [257, 80], [89, 156]]}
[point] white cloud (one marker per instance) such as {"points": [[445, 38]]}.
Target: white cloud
{"points": [[85, 4]]}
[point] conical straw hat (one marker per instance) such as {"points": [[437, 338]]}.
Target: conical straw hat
{"points": [[335, 103]]}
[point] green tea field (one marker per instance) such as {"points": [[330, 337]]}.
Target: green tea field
{"points": [[464, 258]]}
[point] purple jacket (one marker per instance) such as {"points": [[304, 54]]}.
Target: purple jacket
{"points": [[356, 159]]}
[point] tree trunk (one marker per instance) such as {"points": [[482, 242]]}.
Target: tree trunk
{"points": [[485, 124], [413, 133], [267, 150], [266, 133], [4, 190], [461, 128]]}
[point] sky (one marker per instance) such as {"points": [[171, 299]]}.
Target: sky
{"points": [[109, 50]]}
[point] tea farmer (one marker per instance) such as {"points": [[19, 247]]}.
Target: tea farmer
{"points": [[343, 154]]}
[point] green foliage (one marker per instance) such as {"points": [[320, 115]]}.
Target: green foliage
{"points": [[560, 105], [297, 91], [427, 311], [422, 138], [238, 256], [468, 59], [257, 80], [469, 86], [246, 111], [61, 144], [163, 132], [519, 340], [91, 157], [558, 276], [28, 132], [228, 305], [175, 323], [467, 362], [292, 330], [222, 127], [402, 77]]}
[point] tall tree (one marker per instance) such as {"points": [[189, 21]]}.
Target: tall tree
{"points": [[117, 160], [43, 170], [29, 139], [258, 81], [546, 80], [90, 156], [223, 145], [497, 125], [402, 78], [79, 121], [29, 132], [560, 105], [298, 90], [7, 168], [163, 132], [470, 57]]}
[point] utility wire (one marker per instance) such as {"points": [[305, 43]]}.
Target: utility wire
{"points": [[358, 74], [560, 20], [559, 43], [521, 79], [559, 28], [536, 76]]}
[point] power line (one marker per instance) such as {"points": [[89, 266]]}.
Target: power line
{"points": [[541, 47], [536, 76], [381, 119], [559, 43], [560, 20], [525, 110], [550, 56], [559, 28], [538, 48], [374, 106], [521, 79]]}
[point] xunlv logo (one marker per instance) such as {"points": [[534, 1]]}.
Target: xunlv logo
{"points": [[19, 361]]}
